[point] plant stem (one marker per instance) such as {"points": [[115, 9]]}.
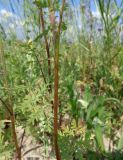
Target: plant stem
{"points": [[18, 149], [9, 106], [56, 100], [47, 47], [56, 83]]}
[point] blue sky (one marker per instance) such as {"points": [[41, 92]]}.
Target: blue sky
{"points": [[8, 5], [5, 4], [15, 9]]}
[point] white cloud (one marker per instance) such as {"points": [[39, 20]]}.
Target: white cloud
{"points": [[12, 24], [96, 14], [5, 13]]}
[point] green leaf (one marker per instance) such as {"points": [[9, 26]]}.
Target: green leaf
{"points": [[41, 3], [64, 26], [41, 35], [83, 103], [99, 137], [37, 3], [87, 94], [120, 143]]}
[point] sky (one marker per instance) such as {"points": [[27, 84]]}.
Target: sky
{"points": [[11, 15], [7, 5]]}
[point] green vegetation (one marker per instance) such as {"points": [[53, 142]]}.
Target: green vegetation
{"points": [[64, 85]]}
